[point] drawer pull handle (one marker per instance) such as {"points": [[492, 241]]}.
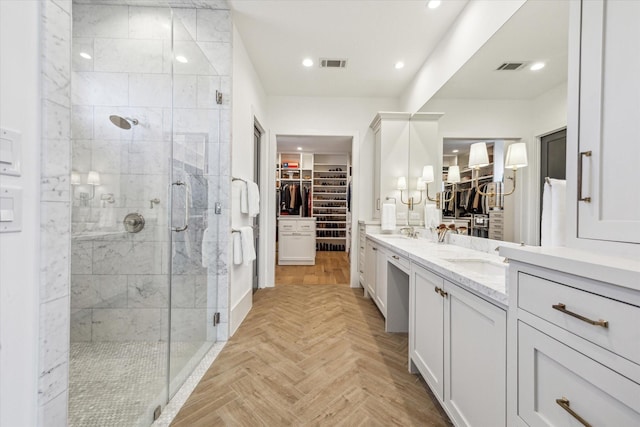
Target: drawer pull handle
{"points": [[395, 257], [375, 249], [564, 404], [441, 291], [563, 308]]}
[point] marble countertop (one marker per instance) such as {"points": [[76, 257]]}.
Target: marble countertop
{"points": [[454, 264], [616, 270]]}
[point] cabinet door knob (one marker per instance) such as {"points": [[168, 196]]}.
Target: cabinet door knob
{"points": [[395, 257]]}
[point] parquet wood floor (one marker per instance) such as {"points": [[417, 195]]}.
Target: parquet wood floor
{"points": [[332, 268], [311, 356]]}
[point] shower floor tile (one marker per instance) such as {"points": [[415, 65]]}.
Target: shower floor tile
{"points": [[120, 383]]}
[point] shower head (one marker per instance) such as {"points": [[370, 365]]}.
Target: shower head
{"points": [[123, 122]]}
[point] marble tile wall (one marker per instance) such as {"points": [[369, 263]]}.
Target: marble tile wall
{"points": [[117, 278], [55, 216]]}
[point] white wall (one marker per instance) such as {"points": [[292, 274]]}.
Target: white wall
{"points": [[477, 22], [327, 116], [249, 102], [19, 263]]}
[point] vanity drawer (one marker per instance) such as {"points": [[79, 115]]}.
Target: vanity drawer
{"points": [[306, 225], [552, 374], [287, 225], [400, 262], [617, 327]]}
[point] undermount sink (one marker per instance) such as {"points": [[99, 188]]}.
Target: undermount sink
{"points": [[480, 266]]}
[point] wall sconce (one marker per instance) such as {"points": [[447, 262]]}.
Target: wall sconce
{"points": [[516, 158], [402, 186], [453, 177], [93, 180]]}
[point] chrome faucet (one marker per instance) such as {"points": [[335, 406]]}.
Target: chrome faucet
{"points": [[410, 232]]}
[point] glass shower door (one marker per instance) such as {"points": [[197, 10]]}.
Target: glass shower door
{"points": [[194, 191]]}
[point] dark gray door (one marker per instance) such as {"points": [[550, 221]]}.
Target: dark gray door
{"points": [[553, 158]]}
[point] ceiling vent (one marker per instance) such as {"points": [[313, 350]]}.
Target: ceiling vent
{"points": [[511, 66], [333, 63]]}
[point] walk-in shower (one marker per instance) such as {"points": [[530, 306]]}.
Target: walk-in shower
{"points": [[144, 286]]}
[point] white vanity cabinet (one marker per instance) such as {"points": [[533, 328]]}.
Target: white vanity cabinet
{"points": [[362, 241], [370, 256], [457, 341], [296, 241], [381, 280], [604, 88], [375, 275], [574, 347], [426, 327]]}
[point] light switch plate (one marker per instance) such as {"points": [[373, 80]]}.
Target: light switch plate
{"points": [[10, 152], [10, 209]]}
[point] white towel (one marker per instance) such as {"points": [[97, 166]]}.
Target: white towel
{"points": [[237, 249], [248, 251], [238, 195], [388, 220], [553, 223], [253, 199], [431, 215]]}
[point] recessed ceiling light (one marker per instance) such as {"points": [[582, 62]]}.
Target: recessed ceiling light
{"points": [[537, 66], [399, 65], [433, 4], [307, 62], [85, 55], [181, 59], [299, 148], [455, 151]]}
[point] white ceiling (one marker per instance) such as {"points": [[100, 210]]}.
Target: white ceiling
{"points": [[371, 34], [537, 32], [313, 144]]}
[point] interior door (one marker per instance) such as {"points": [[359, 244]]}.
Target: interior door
{"points": [[256, 220], [553, 160]]}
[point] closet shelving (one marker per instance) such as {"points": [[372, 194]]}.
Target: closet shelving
{"points": [[477, 223], [330, 186], [294, 168]]}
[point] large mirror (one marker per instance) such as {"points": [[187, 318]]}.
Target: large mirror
{"points": [[497, 98]]}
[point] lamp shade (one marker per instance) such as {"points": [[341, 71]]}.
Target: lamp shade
{"points": [[478, 156], [427, 174], [75, 178], [516, 156], [421, 185], [453, 175], [402, 183], [93, 178]]}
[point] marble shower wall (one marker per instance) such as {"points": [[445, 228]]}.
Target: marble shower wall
{"points": [[119, 280]]}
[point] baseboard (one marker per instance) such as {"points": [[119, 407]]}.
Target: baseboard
{"points": [[240, 311]]}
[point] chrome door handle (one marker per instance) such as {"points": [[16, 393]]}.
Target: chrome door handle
{"points": [[187, 196]]}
